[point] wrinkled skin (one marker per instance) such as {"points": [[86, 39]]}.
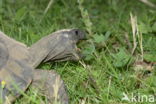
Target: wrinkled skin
{"points": [[17, 64]]}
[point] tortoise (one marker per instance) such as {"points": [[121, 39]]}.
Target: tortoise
{"points": [[18, 63]]}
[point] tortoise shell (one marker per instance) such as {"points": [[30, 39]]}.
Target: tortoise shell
{"points": [[15, 73]]}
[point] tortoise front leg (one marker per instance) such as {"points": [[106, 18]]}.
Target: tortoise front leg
{"points": [[51, 86]]}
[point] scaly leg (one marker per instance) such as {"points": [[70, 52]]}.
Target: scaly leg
{"points": [[51, 86]]}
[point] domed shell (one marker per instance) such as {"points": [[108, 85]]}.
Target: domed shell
{"points": [[15, 73]]}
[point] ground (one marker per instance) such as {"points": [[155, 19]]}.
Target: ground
{"points": [[109, 69]]}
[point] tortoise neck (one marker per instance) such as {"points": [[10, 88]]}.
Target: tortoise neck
{"points": [[39, 51]]}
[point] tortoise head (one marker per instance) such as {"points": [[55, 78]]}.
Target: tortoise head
{"points": [[58, 46], [65, 47]]}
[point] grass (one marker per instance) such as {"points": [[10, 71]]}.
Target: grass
{"points": [[110, 69]]}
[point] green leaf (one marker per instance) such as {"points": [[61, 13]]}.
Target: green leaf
{"points": [[107, 35], [98, 38], [121, 58], [154, 27], [101, 38], [144, 28], [150, 57], [20, 14], [88, 51]]}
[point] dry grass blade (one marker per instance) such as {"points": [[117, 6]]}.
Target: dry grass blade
{"points": [[134, 31], [48, 6], [147, 2], [7, 100], [137, 35], [141, 45], [56, 87], [46, 10], [142, 65], [83, 101]]}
